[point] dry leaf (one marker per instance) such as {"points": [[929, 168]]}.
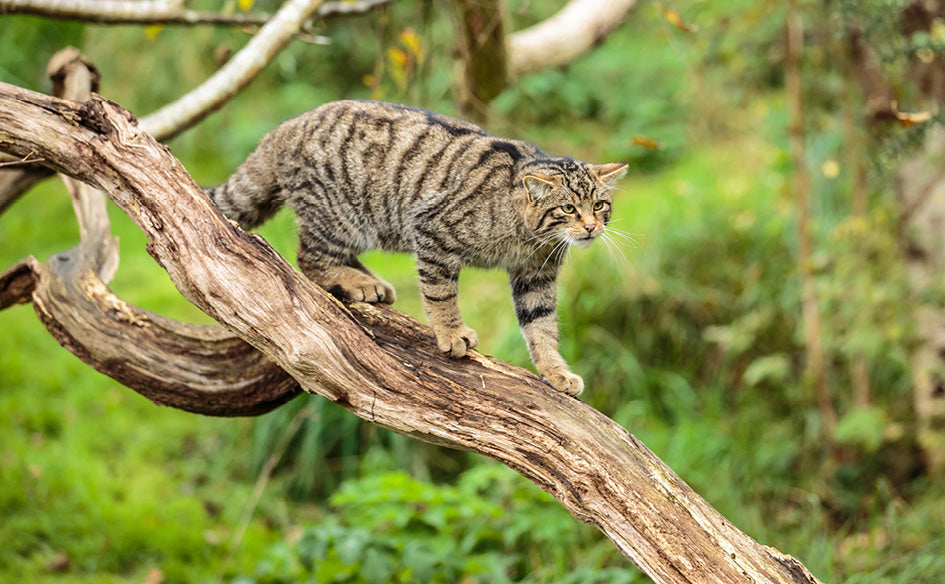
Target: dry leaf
{"points": [[907, 120], [647, 143], [672, 16]]}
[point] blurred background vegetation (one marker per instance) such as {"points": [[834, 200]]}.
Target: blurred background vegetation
{"points": [[689, 334]]}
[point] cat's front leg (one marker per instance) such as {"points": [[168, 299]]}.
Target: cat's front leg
{"points": [[535, 295], [439, 284]]}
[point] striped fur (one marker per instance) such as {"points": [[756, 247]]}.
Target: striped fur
{"points": [[366, 175]]}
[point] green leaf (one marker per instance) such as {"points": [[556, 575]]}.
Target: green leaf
{"points": [[773, 368], [862, 427], [377, 567]]}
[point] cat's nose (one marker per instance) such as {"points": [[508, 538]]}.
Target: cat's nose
{"points": [[590, 227]]}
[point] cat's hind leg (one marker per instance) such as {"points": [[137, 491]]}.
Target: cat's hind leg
{"points": [[336, 268]]}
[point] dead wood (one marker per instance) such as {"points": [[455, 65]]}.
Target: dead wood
{"points": [[201, 369]]}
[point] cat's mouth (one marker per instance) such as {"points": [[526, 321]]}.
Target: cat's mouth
{"points": [[583, 242]]}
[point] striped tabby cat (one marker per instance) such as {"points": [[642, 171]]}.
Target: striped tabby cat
{"points": [[364, 175]]}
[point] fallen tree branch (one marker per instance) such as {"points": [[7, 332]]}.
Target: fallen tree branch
{"points": [[163, 12], [385, 367]]}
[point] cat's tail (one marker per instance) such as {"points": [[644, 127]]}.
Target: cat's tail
{"points": [[252, 194]]}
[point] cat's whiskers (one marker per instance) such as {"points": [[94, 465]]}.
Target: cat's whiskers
{"points": [[563, 244], [613, 249], [629, 238], [546, 238]]}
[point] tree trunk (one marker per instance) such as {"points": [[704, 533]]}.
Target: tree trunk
{"points": [[814, 372], [384, 366], [490, 59], [920, 192], [481, 48]]}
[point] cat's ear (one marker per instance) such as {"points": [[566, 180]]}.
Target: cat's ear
{"points": [[538, 185], [610, 173]]}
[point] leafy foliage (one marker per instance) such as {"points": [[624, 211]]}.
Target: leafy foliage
{"points": [[492, 526], [687, 331]]}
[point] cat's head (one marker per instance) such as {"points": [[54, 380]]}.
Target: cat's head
{"points": [[569, 200]]}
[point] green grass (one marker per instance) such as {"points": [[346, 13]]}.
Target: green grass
{"points": [[688, 337]]}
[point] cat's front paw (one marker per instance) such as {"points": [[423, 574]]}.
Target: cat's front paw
{"points": [[456, 341], [564, 381]]}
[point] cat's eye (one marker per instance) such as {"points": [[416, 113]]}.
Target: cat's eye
{"points": [[568, 209], [599, 205]]}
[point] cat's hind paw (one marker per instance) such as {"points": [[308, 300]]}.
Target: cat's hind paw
{"points": [[457, 341], [565, 381], [360, 287]]}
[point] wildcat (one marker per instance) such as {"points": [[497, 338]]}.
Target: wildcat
{"points": [[365, 175]]}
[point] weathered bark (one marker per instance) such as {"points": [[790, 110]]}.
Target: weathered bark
{"points": [[200, 369], [382, 365], [481, 48]]}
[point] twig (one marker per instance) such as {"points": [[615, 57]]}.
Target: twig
{"points": [[162, 12], [25, 160]]}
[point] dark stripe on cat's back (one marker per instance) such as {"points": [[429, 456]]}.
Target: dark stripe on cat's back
{"points": [[397, 192], [431, 169], [454, 159], [447, 207], [343, 153], [453, 127], [325, 134], [502, 146], [409, 154]]}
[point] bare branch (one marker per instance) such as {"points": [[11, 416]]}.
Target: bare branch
{"points": [[161, 12], [385, 367], [176, 117], [182, 114], [559, 40], [196, 368], [75, 77]]}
